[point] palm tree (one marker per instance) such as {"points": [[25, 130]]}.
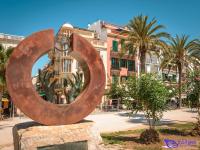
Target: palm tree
{"points": [[181, 53], [4, 55], [47, 83], [73, 86], [143, 37]]}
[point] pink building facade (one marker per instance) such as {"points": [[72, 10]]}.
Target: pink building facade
{"points": [[119, 66]]}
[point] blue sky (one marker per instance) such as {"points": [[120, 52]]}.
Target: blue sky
{"points": [[23, 17]]}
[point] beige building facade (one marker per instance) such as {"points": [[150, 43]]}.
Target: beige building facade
{"points": [[65, 64], [8, 40]]}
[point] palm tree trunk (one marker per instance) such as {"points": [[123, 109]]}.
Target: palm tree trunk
{"points": [[142, 61], [138, 62], [179, 84]]}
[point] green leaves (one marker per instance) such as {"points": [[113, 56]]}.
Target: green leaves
{"points": [[145, 36], [4, 56], [180, 51], [193, 89], [74, 86], [146, 93], [47, 83], [116, 91]]}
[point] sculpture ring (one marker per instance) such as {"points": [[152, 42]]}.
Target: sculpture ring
{"points": [[24, 95]]}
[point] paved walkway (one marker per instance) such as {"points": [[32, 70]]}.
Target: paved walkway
{"points": [[118, 121], [105, 122]]}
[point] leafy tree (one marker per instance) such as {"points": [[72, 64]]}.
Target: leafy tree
{"points": [[150, 96], [143, 37], [193, 87], [131, 99], [4, 56], [180, 53], [118, 92], [153, 95], [115, 91], [193, 97]]}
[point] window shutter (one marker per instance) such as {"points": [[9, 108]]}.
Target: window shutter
{"points": [[115, 46]]}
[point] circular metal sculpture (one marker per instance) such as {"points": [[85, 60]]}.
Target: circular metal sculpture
{"points": [[18, 75]]}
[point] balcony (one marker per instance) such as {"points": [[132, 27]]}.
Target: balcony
{"points": [[99, 43], [119, 55], [123, 72], [115, 72]]}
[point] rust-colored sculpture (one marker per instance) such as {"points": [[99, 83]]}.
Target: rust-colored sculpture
{"points": [[18, 75]]}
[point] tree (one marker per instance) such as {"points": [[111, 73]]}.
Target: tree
{"points": [[193, 89], [193, 96], [143, 37], [47, 83], [180, 53], [73, 87], [151, 96], [117, 92], [4, 56]]}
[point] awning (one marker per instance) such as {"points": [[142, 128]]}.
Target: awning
{"points": [[5, 100]]}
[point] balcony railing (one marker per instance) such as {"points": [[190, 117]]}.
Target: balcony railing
{"points": [[115, 72], [99, 43], [119, 54]]}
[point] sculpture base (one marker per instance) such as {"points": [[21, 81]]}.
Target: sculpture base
{"points": [[34, 136]]}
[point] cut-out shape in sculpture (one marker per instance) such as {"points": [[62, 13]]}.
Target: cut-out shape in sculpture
{"points": [[24, 96]]}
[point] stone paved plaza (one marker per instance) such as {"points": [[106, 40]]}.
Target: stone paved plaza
{"points": [[105, 122]]}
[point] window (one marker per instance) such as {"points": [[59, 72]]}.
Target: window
{"points": [[165, 76], [114, 63], [67, 63], [123, 63], [115, 45], [115, 79], [169, 77], [173, 78], [154, 60], [65, 47], [151, 59], [131, 65]]}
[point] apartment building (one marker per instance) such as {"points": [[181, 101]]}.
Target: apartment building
{"points": [[119, 67], [65, 65]]}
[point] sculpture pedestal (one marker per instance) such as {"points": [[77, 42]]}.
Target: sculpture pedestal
{"points": [[34, 136]]}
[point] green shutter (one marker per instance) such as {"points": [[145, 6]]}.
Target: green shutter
{"points": [[131, 65], [173, 78], [115, 46]]}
